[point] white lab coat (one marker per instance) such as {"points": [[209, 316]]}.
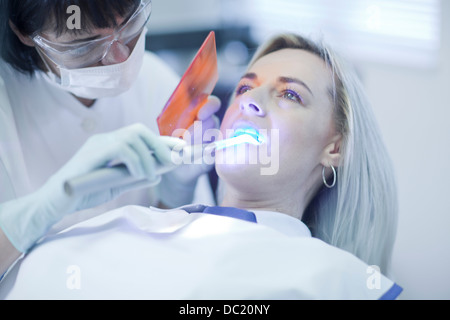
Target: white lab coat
{"points": [[42, 127], [147, 253]]}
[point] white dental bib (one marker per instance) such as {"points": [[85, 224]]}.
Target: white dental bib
{"points": [[141, 253]]}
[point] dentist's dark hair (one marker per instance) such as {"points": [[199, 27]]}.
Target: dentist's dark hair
{"points": [[31, 16]]}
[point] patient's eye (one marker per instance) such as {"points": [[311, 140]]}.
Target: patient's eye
{"points": [[241, 89], [292, 95]]}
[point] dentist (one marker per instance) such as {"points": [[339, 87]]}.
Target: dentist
{"points": [[74, 98]]}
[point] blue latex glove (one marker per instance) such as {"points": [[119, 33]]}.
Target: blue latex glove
{"points": [[26, 220], [178, 186]]}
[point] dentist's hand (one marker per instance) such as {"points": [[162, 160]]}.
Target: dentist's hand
{"points": [[130, 146], [26, 220], [178, 186]]}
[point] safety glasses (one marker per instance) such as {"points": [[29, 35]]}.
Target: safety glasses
{"points": [[88, 53]]}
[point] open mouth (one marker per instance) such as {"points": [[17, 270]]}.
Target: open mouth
{"points": [[250, 135]]}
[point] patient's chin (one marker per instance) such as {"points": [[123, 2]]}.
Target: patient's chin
{"points": [[247, 162], [242, 170], [241, 174], [244, 154], [240, 177], [242, 160]]}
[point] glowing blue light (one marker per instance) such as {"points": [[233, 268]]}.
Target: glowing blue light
{"points": [[249, 131], [248, 135]]}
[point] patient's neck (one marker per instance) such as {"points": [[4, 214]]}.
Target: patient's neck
{"points": [[284, 203]]}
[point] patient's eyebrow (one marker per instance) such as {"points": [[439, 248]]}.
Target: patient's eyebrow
{"points": [[250, 75], [295, 80], [254, 76]]}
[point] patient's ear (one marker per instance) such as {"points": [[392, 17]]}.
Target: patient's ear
{"points": [[26, 40], [331, 154]]}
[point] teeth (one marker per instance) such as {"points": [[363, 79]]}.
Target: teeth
{"points": [[250, 131]]}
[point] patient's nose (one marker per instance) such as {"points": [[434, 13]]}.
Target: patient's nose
{"points": [[251, 107]]}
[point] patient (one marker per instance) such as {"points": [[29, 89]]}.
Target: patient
{"points": [[334, 182], [334, 173]]}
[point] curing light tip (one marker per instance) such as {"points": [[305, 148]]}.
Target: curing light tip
{"points": [[241, 136]]}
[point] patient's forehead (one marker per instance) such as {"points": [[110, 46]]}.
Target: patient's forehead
{"points": [[297, 63]]}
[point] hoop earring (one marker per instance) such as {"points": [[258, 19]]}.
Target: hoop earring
{"points": [[325, 180]]}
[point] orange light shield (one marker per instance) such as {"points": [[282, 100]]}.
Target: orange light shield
{"points": [[192, 92]]}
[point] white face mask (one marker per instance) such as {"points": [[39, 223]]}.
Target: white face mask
{"points": [[103, 81]]}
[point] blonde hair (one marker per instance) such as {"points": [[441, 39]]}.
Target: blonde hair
{"points": [[359, 214]]}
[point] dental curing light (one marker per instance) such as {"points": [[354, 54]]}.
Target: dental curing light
{"points": [[118, 175]]}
